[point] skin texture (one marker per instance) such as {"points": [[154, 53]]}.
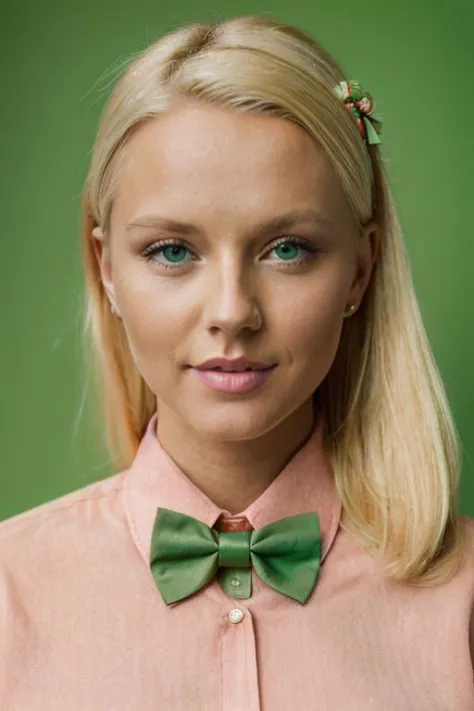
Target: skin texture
{"points": [[229, 291]]}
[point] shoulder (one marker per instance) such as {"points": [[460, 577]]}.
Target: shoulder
{"points": [[45, 550], [51, 520], [50, 541], [94, 490]]}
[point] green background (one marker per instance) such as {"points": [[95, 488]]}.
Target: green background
{"points": [[57, 59]]}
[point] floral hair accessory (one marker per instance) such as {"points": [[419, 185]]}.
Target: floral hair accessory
{"points": [[361, 105]]}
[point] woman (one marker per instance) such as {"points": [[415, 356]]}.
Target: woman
{"points": [[278, 539]]}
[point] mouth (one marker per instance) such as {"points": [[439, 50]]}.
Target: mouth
{"points": [[219, 369], [233, 382], [239, 370]]}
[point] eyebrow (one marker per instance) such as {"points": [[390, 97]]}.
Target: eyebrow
{"points": [[279, 222]]}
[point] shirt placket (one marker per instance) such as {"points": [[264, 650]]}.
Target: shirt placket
{"points": [[240, 689], [240, 684]]}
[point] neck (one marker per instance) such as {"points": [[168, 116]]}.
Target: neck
{"points": [[233, 474]]}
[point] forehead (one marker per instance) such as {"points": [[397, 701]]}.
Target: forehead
{"points": [[197, 157]]}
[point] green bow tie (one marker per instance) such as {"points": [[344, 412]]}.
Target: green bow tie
{"points": [[185, 554]]}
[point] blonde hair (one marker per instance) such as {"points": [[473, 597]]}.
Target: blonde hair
{"points": [[388, 428]]}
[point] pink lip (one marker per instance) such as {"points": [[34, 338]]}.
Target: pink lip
{"points": [[233, 382]]}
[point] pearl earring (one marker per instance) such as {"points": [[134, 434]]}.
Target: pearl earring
{"points": [[352, 308]]}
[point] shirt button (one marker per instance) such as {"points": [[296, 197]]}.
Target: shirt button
{"points": [[236, 615], [235, 582]]}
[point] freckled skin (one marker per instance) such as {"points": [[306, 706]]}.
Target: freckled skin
{"points": [[231, 293]]}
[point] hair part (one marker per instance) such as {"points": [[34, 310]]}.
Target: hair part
{"points": [[388, 428]]}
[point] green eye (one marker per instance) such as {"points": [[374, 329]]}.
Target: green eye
{"points": [[287, 249], [173, 251]]}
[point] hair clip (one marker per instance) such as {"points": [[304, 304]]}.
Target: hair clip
{"points": [[361, 105]]}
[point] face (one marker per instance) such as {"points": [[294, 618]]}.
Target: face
{"points": [[230, 235]]}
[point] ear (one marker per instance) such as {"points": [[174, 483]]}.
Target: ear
{"points": [[102, 253], [367, 252]]}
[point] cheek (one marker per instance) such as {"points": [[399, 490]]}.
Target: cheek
{"points": [[156, 321], [304, 318], [312, 321], [312, 338]]}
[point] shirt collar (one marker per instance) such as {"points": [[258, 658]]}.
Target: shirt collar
{"points": [[305, 484]]}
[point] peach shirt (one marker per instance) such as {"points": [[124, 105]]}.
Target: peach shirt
{"points": [[84, 628]]}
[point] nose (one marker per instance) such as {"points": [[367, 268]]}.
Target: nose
{"points": [[232, 302]]}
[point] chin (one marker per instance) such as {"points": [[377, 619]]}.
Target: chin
{"points": [[241, 420]]}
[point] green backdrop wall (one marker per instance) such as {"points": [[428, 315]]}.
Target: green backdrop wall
{"points": [[416, 59]]}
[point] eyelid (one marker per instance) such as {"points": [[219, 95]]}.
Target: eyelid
{"points": [[180, 241], [311, 251]]}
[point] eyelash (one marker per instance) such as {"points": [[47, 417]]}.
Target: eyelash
{"points": [[158, 247]]}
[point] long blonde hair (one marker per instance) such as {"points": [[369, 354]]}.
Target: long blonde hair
{"points": [[389, 432]]}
